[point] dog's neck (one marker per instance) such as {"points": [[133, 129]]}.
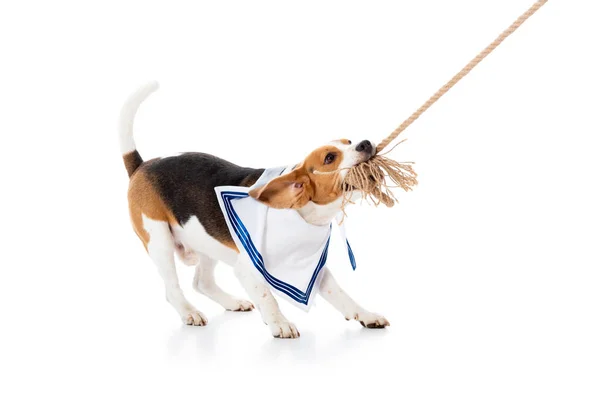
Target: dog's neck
{"points": [[312, 213], [316, 214], [322, 215]]}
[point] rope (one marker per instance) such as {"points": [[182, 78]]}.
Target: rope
{"points": [[461, 74]]}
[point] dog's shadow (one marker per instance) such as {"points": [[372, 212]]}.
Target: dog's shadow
{"points": [[202, 340], [209, 341], [311, 348]]}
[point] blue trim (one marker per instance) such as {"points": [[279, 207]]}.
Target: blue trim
{"points": [[351, 255], [256, 258]]}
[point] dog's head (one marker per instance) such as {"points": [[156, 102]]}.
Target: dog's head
{"points": [[318, 178]]}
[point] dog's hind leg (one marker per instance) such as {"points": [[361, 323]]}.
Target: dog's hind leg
{"points": [[204, 283], [161, 248], [337, 297]]}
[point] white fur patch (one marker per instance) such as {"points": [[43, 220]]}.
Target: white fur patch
{"points": [[351, 158], [320, 214], [195, 238], [161, 248], [127, 116]]}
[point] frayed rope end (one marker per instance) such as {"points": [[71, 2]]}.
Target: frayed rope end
{"points": [[369, 178]]}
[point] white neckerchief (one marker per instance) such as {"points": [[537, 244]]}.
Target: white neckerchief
{"points": [[288, 252]]}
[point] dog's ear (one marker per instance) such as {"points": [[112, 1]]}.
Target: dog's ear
{"points": [[292, 190]]}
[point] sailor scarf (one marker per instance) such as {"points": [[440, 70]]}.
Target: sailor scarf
{"points": [[288, 252]]}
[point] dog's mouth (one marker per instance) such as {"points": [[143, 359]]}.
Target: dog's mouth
{"points": [[346, 187], [366, 157]]}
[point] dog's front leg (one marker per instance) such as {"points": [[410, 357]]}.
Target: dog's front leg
{"points": [[265, 302], [334, 294]]}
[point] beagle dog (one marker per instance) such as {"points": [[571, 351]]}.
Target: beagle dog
{"points": [[174, 209]]}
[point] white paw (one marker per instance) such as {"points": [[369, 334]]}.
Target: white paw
{"points": [[284, 329], [195, 318], [370, 320], [240, 305]]}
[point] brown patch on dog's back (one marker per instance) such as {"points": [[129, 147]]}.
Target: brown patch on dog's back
{"points": [[174, 189], [143, 199]]}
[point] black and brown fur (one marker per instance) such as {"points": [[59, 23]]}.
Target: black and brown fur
{"points": [[174, 189]]}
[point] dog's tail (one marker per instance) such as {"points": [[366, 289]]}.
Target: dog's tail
{"points": [[131, 157]]}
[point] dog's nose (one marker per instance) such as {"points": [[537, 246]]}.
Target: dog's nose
{"points": [[365, 146]]}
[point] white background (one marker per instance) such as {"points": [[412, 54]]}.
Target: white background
{"points": [[488, 271]]}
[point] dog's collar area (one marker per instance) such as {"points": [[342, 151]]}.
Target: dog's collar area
{"points": [[285, 250]]}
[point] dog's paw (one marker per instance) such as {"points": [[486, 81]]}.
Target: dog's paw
{"points": [[284, 329], [241, 305], [371, 320], [195, 318]]}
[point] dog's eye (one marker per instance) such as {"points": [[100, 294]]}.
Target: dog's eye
{"points": [[329, 158], [349, 141]]}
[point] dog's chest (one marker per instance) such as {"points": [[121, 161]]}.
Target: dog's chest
{"points": [[283, 248]]}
